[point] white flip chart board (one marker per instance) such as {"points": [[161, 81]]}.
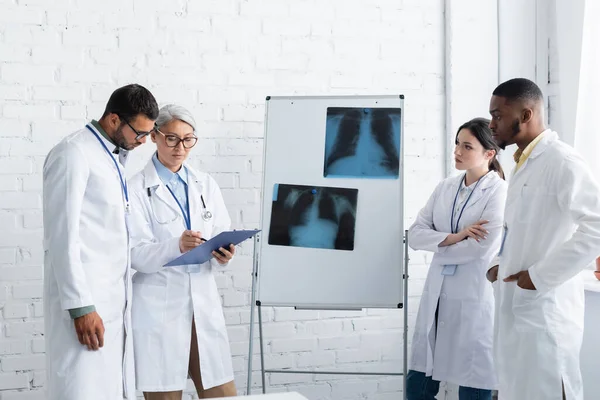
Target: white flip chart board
{"points": [[332, 203]]}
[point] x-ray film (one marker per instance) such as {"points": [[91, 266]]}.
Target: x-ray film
{"points": [[313, 216], [362, 142]]}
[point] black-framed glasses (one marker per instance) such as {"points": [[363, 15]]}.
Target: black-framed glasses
{"points": [[174, 140], [138, 134]]}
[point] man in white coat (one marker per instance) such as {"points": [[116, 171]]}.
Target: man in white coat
{"points": [[89, 351], [551, 233]]}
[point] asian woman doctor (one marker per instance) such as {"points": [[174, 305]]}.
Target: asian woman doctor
{"points": [[177, 319], [461, 224]]}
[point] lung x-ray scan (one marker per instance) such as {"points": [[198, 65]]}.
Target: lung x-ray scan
{"points": [[313, 216], [362, 142]]}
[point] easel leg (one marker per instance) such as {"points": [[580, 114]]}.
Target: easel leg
{"points": [[257, 304], [252, 304], [251, 347], [405, 277], [262, 352]]}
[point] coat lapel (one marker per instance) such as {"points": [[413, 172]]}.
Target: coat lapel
{"points": [[165, 196], [549, 136], [478, 192], [152, 181]]}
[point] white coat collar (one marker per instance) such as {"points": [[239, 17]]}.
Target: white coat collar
{"points": [[549, 136], [115, 152], [151, 178], [486, 182], [195, 189]]}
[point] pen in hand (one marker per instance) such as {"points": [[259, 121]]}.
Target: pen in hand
{"points": [[190, 240]]}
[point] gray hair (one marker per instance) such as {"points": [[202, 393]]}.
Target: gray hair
{"points": [[173, 111]]}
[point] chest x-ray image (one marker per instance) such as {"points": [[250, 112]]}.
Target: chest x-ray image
{"points": [[362, 142], [313, 216]]}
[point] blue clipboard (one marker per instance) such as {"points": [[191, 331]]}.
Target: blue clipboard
{"points": [[203, 253]]}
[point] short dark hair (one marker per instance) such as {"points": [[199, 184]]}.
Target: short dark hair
{"points": [[519, 89], [130, 101]]}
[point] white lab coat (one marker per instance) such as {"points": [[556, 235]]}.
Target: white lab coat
{"points": [[86, 261], [553, 230], [166, 298], [462, 351]]}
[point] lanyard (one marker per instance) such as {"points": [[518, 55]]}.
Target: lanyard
{"points": [[452, 228], [186, 215], [123, 183]]}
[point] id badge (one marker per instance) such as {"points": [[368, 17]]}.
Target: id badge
{"points": [[504, 232], [127, 218], [194, 268], [449, 269]]}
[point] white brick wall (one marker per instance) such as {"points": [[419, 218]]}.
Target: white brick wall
{"points": [[59, 62]]}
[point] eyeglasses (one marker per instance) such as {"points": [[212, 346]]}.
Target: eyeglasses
{"points": [[138, 134], [174, 140]]}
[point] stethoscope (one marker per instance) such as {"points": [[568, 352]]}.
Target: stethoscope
{"points": [[205, 214]]}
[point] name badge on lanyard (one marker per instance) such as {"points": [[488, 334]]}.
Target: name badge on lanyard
{"points": [[450, 269], [123, 182]]}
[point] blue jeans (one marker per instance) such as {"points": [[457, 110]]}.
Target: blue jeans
{"points": [[421, 387]]}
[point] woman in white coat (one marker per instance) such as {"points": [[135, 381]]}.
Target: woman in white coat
{"points": [[178, 322], [461, 224]]}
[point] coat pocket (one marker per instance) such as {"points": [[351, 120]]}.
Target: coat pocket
{"points": [[531, 309], [148, 306]]}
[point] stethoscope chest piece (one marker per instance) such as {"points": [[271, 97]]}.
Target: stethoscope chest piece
{"points": [[206, 215]]}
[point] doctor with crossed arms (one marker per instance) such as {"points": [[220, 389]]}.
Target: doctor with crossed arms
{"points": [[461, 224], [178, 322]]}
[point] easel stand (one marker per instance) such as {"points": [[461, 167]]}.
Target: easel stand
{"points": [[256, 303]]}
